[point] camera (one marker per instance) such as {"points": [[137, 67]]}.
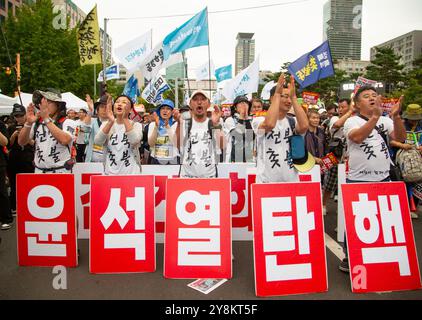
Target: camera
{"points": [[36, 98]]}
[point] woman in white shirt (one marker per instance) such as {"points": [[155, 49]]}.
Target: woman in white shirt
{"points": [[121, 138]]}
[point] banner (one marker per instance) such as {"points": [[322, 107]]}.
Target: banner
{"points": [[224, 73], [361, 81], [154, 90], [328, 162], [193, 33], [131, 89], [133, 53], [153, 62], [83, 171], [310, 97], [198, 229], [89, 39], [112, 72], [122, 224], [387, 104], [380, 240], [266, 91], [46, 224], [313, 66], [245, 82], [203, 72], [289, 245]]}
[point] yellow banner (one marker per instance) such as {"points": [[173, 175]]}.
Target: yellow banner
{"points": [[89, 39]]}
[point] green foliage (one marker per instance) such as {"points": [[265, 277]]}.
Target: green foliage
{"points": [[412, 85], [49, 56], [386, 68]]}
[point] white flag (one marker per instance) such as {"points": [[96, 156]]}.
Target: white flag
{"points": [[203, 71], [245, 82], [265, 93], [153, 92], [112, 72], [133, 53]]}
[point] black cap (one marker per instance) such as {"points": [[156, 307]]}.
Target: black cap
{"points": [[18, 109], [102, 100]]}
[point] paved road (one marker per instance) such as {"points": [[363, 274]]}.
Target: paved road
{"points": [[37, 283]]}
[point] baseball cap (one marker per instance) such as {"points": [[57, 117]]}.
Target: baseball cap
{"points": [[204, 93], [18, 109]]}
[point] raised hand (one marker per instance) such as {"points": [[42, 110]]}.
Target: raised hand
{"points": [[44, 113], [156, 119], [89, 102], [292, 87], [395, 110], [216, 115], [378, 106], [31, 115], [176, 115], [280, 84], [242, 108], [109, 109]]}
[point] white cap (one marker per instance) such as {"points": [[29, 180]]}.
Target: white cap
{"points": [[204, 93], [321, 111]]}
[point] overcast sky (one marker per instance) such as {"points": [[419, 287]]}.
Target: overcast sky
{"points": [[282, 33]]}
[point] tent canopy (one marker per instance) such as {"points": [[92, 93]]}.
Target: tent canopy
{"points": [[72, 102]]}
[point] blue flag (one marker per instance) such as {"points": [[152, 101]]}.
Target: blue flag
{"points": [[313, 66], [223, 73], [131, 89], [193, 33]]}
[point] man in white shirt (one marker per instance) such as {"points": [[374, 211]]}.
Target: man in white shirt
{"points": [[274, 163], [368, 134], [200, 139]]}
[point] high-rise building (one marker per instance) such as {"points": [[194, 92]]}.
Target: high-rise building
{"points": [[9, 6], [245, 51], [343, 28], [407, 46]]}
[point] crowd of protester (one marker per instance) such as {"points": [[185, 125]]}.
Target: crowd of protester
{"points": [[49, 137]]}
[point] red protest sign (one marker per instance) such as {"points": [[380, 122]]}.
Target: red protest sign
{"points": [[387, 104], [310, 97], [380, 241], [289, 249], [122, 233], [329, 161], [46, 224], [361, 81], [198, 229]]}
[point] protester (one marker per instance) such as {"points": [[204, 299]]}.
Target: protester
{"points": [[20, 158], [6, 218], [94, 152], [367, 134], [80, 133], [199, 138], [161, 135], [239, 133], [121, 138], [257, 106], [336, 144], [413, 124], [46, 123], [274, 163], [315, 137], [71, 114]]}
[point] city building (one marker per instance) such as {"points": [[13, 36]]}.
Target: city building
{"points": [[351, 66], [75, 14], [245, 51], [177, 70], [9, 6], [407, 46], [343, 28]]}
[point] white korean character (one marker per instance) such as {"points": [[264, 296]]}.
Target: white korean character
{"points": [[45, 229]]}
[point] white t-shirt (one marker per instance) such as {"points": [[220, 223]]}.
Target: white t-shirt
{"points": [[164, 149], [121, 148], [80, 139], [338, 133], [198, 152], [273, 159], [49, 153], [370, 160]]}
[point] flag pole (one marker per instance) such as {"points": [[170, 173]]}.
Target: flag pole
{"points": [[105, 53], [186, 73], [209, 54]]}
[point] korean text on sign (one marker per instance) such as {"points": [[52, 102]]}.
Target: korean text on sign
{"points": [[380, 240], [198, 229], [46, 225], [289, 246], [122, 224]]}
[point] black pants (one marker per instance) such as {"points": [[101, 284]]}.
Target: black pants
{"points": [[80, 152], [16, 167], [5, 213]]}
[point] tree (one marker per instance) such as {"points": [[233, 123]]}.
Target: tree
{"points": [[49, 55], [413, 85], [386, 68]]}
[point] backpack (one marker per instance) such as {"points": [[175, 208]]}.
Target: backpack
{"points": [[410, 164]]}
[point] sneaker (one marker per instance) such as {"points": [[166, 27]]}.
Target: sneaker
{"points": [[344, 265], [6, 226], [414, 215]]}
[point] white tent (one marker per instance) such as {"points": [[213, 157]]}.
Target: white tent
{"points": [[72, 102]]}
